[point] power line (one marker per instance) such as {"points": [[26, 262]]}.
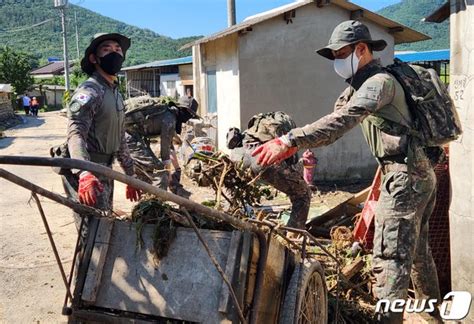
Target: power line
{"points": [[27, 27]]}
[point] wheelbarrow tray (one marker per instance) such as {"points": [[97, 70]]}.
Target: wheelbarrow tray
{"points": [[121, 280]]}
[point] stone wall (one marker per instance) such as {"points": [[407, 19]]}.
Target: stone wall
{"points": [[6, 109]]}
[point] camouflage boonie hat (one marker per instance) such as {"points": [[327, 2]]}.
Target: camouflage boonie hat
{"points": [[348, 33], [124, 42]]}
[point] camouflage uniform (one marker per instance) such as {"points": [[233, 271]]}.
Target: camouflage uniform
{"points": [[408, 183], [96, 133], [146, 117], [283, 177], [147, 166]]}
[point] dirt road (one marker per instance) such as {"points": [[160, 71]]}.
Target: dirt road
{"points": [[31, 288]]}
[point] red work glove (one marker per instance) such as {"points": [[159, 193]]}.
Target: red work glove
{"points": [[132, 194], [273, 152], [89, 185]]}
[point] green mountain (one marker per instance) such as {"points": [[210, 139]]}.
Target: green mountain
{"points": [[410, 13], [44, 39], [34, 26]]}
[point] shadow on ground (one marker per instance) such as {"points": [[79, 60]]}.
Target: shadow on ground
{"points": [[22, 122]]}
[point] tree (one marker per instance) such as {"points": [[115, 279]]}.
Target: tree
{"points": [[15, 68]]}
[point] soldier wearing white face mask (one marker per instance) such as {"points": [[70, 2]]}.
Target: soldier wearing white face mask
{"points": [[374, 97]]}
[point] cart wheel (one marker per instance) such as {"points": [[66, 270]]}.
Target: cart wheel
{"points": [[308, 286]]}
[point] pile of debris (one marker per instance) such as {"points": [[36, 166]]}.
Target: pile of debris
{"points": [[231, 182], [239, 193]]}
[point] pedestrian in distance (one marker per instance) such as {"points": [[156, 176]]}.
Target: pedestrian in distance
{"points": [[26, 104], [372, 99], [34, 106]]}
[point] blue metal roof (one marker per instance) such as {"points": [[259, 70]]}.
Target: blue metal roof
{"points": [[437, 55], [155, 64]]}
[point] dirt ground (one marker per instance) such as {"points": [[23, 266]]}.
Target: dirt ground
{"points": [[32, 289]]}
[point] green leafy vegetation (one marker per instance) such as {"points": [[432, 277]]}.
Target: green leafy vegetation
{"points": [[14, 68], [45, 40], [410, 13]]}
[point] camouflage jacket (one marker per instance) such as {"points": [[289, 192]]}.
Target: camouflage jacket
{"points": [[372, 93], [96, 124]]}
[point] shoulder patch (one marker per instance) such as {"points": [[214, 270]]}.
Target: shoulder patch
{"points": [[82, 98], [75, 107]]}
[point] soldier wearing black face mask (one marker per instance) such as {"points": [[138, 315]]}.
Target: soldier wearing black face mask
{"points": [[96, 123]]}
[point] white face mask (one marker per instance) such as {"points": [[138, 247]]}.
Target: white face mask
{"points": [[344, 68]]}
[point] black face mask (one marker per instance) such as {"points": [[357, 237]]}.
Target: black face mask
{"points": [[111, 63]]}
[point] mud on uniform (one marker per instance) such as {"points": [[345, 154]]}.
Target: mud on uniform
{"points": [[96, 133], [408, 187]]}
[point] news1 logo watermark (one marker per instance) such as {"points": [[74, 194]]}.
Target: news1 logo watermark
{"points": [[455, 305]]}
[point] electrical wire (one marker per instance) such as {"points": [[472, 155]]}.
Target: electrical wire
{"points": [[27, 27]]}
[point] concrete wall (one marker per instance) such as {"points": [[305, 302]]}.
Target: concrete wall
{"points": [[281, 71], [52, 97], [167, 91], [221, 56], [462, 151]]}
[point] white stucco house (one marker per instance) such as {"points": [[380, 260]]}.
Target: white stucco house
{"points": [[268, 63]]}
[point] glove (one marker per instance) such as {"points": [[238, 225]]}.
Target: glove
{"points": [[89, 185], [132, 193], [273, 152]]}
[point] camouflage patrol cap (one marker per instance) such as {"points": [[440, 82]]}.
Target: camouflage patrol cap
{"points": [[348, 33], [124, 42]]}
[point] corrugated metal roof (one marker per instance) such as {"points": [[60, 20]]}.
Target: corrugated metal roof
{"points": [[155, 64], [401, 33], [51, 68], [437, 55]]}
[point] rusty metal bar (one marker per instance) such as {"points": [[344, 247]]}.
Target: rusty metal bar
{"points": [[78, 208], [273, 227], [109, 173], [51, 240], [66, 310]]}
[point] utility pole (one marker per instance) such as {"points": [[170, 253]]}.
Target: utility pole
{"points": [[230, 13], [61, 5], [77, 37]]}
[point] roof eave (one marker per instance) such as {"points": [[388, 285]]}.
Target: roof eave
{"points": [[439, 15], [409, 35]]}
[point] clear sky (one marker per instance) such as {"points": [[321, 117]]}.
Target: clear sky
{"points": [[181, 18]]}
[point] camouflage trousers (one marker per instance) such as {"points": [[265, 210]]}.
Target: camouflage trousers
{"points": [[401, 247], [284, 178], [147, 166]]}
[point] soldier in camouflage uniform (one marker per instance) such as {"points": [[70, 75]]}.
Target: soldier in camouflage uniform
{"points": [[146, 117], [95, 129], [283, 177], [374, 98]]}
